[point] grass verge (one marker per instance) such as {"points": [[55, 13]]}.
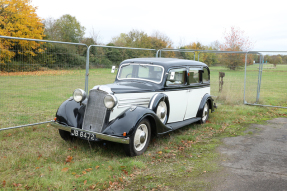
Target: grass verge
{"points": [[36, 158]]}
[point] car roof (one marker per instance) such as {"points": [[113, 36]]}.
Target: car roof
{"points": [[165, 62]]}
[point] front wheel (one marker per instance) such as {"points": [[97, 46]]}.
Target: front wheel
{"points": [[205, 113], [66, 135], [139, 141]]}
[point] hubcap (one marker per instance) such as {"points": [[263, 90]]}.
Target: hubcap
{"points": [[161, 111], [205, 112], [140, 138]]}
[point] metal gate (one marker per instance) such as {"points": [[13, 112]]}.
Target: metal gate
{"points": [[260, 84], [35, 81]]}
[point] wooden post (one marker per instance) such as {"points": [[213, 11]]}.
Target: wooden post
{"points": [[221, 75]]}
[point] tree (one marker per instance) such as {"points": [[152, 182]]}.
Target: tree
{"points": [[274, 59], [140, 39], [235, 40], [19, 19], [66, 28]]}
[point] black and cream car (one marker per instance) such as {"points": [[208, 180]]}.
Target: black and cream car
{"points": [[149, 96]]}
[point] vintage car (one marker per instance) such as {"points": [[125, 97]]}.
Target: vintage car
{"points": [[149, 96]]}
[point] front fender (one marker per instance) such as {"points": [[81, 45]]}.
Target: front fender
{"points": [[128, 120], [71, 113]]}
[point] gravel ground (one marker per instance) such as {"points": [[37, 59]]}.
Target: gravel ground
{"points": [[256, 161]]}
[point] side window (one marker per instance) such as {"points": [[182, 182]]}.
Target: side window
{"points": [[176, 77], [193, 76], [205, 76]]}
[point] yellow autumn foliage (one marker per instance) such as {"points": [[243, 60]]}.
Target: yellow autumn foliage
{"points": [[19, 19]]}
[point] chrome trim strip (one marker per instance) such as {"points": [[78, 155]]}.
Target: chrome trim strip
{"points": [[128, 102], [98, 135], [124, 102], [153, 101], [124, 99], [120, 106]]}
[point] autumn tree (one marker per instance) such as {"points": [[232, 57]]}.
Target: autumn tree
{"points": [[19, 19], [235, 40], [207, 58]]}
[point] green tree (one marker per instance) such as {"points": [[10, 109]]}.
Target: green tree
{"points": [[66, 28], [274, 59], [140, 39]]}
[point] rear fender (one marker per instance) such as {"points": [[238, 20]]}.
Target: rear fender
{"points": [[206, 98]]}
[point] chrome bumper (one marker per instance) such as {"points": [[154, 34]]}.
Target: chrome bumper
{"points": [[98, 135]]}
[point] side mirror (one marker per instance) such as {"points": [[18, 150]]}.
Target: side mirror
{"points": [[113, 69]]}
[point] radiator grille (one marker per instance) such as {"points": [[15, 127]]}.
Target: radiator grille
{"points": [[95, 111]]}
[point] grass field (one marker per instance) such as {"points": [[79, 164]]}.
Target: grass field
{"points": [[36, 158]]}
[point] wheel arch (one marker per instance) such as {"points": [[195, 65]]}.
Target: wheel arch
{"points": [[206, 98], [155, 101]]}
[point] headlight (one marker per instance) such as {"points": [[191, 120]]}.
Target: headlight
{"points": [[110, 101], [79, 95]]}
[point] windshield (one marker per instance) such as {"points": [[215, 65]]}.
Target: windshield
{"points": [[141, 72]]}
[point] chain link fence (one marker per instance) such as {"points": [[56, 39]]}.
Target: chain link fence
{"points": [[36, 76], [253, 78], [267, 78]]}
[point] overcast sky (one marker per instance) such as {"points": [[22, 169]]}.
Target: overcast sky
{"points": [[184, 21]]}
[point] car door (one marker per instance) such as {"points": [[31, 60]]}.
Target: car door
{"points": [[195, 92], [176, 90]]}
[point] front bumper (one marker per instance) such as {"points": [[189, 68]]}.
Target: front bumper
{"points": [[98, 135]]}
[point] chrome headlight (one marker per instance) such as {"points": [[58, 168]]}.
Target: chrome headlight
{"points": [[79, 95], [110, 101]]}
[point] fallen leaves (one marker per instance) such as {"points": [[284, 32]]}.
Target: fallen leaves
{"points": [[65, 169], [69, 159], [85, 182], [3, 183], [17, 185]]}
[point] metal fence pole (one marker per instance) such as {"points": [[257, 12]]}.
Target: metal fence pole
{"points": [[244, 101], [87, 71], [259, 79]]}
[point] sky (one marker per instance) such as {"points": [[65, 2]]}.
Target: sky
{"points": [[183, 21]]}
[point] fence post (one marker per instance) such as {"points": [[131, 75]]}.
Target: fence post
{"points": [[259, 78], [244, 102], [87, 70]]}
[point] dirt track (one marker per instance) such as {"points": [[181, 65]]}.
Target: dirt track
{"points": [[256, 161]]}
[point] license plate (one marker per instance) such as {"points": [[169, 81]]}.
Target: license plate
{"points": [[84, 135]]}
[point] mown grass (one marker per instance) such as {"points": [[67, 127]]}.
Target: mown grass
{"points": [[36, 158]]}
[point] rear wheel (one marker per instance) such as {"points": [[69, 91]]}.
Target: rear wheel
{"points": [[66, 135], [205, 113], [139, 141], [161, 111]]}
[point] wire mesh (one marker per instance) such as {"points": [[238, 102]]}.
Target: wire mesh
{"points": [[273, 86], [232, 64], [101, 60], [36, 77]]}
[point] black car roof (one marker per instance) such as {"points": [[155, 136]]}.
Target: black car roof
{"points": [[165, 62]]}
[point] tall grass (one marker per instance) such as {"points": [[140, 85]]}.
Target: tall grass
{"points": [[36, 158]]}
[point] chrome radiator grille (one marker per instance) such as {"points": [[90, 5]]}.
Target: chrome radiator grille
{"points": [[95, 111]]}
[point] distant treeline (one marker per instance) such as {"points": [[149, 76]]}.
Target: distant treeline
{"points": [[21, 20]]}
